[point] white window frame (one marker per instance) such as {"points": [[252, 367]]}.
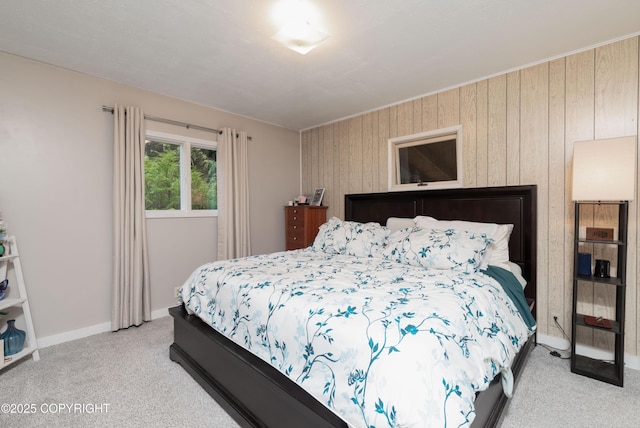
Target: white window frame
{"points": [[396, 143], [185, 144]]}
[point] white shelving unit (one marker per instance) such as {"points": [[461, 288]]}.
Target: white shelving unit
{"points": [[16, 303]]}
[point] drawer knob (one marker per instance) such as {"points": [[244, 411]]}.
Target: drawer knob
{"points": [[295, 218], [295, 238]]}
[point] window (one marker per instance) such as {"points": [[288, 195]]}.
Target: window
{"points": [[180, 176], [428, 160]]}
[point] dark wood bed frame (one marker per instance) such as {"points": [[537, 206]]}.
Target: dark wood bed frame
{"points": [[256, 394]]}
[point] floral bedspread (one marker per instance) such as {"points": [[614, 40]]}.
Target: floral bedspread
{"points": [[380, 343]]}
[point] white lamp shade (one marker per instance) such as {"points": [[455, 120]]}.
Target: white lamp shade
{"points": [[604, 170]]}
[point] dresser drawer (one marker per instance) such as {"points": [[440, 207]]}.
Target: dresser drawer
{"points": [[296, 228], [295, 216], [295, 241]]}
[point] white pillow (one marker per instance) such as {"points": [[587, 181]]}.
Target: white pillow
{"points": [[396, 223], [498, 252]]}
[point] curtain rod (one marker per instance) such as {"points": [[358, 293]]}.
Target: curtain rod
{"points": [[173, 122]]}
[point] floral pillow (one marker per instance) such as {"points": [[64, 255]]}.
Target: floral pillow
{"points": [[497, 253], [449, 249], [351, 238]]}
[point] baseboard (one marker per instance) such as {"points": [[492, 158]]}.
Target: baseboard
{"points": [[630, 361], [68, 336]]}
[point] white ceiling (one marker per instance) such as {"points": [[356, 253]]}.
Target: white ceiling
{"points": [[219, 53]]}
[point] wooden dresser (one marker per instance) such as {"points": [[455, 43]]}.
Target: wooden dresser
{"points": [[302, 223]]}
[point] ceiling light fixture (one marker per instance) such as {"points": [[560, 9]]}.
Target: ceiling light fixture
{"points": [[300, 37], [294, 18]]}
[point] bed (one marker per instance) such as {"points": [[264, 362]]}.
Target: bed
{"points": [[256, 393]]}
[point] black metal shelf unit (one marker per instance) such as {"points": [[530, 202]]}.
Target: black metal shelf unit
{"points": [[601, 369]]}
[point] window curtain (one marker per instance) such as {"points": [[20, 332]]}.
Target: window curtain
{"points": [[131, 300], [233, 195]]}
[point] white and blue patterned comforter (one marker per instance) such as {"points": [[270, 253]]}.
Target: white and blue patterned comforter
{"points": [[380, 343]]}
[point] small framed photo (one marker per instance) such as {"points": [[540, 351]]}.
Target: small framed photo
{"points": [[317, 197]]}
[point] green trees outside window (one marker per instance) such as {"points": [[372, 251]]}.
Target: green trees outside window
{"points": [[204, 188], [163, 189]]}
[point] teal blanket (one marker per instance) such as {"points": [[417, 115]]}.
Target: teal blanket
{"points": [[514, 290]]}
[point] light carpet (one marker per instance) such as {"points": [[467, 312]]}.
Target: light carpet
{"points": [[130, 371], [549, 395], [126, 379]]}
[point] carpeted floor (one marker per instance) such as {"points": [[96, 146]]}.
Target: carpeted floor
{"points": [[549, 395], [130, 371], [126, 379]]}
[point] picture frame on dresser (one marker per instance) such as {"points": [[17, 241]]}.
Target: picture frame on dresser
{"points": [[317, 197]]}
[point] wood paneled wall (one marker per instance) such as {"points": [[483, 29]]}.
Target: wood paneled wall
{"points": [[518, 128]]}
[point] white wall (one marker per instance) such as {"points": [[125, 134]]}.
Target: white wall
{"points": [[56, 190]]}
